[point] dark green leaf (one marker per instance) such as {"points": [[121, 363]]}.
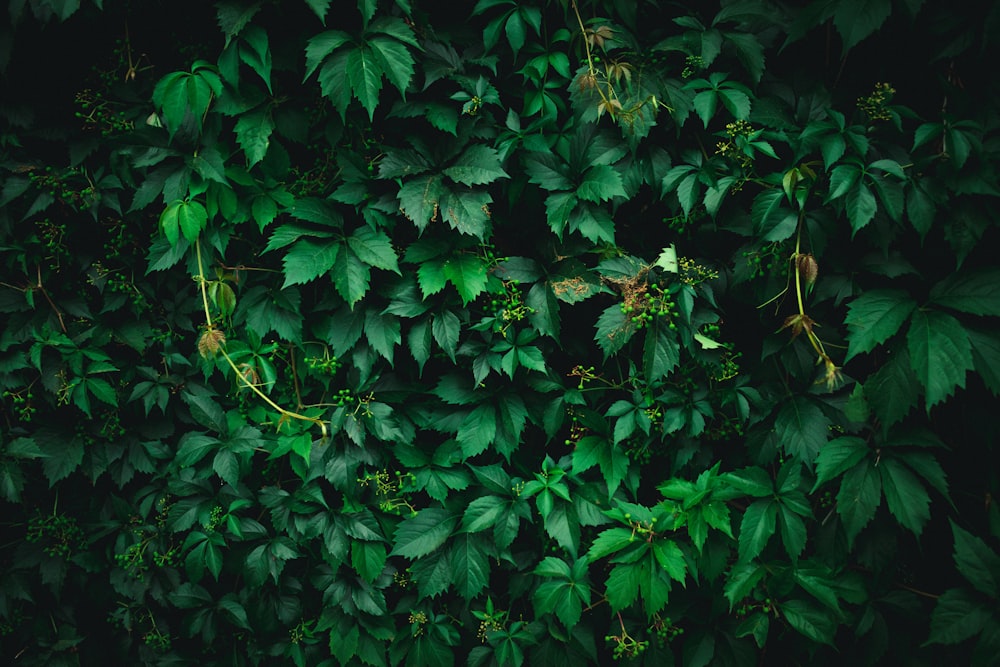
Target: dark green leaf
{"points": [[420, 535], [874, 317], [940, 354]]}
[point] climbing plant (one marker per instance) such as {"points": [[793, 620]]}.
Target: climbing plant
{"points": [[506, 333]]}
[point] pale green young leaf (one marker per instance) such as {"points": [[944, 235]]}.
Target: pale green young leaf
{"points": [[874, 317], [940, 354]]}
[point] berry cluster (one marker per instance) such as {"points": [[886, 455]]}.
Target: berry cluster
{"points": [[59, 534], [97, 113], [876, 105], [327, 364], [665, 630], [56, 184], [418, 620], [22, 401], [765, 260], [644, 304], [389, 490], [576, 429], [626, 646], [692, 65]]}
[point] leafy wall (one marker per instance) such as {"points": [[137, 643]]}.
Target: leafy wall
{"points": [[405, 333]]}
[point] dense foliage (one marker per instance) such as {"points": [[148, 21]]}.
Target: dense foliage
{"points": [[546, 333]]}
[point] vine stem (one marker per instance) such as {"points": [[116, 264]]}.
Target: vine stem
{"points": [[210, 327]]}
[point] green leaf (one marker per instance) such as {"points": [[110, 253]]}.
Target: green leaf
{"points": [[467, 273], [755, 482], [661, 353], [383, 333], [471, 566], [793, 532], [395, 61], [979, 564], [976, 292], [905, 496], [958, 615], [364, 75], [811, 621], [351, 276], [478, 430], [940, 354], [986, 355], [422, 534], [374, 248], [670, 557], [893, 390], [483, 513], [756, 528], [594, 450], [467, 211], [477, 165], [308, 260], [857, 19], [802, 428], [600, 183], [368, 559], [837, 456], [874, 317], [614, 330], [859, 496], [622, 585], [861, 206], [253, 132]]}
